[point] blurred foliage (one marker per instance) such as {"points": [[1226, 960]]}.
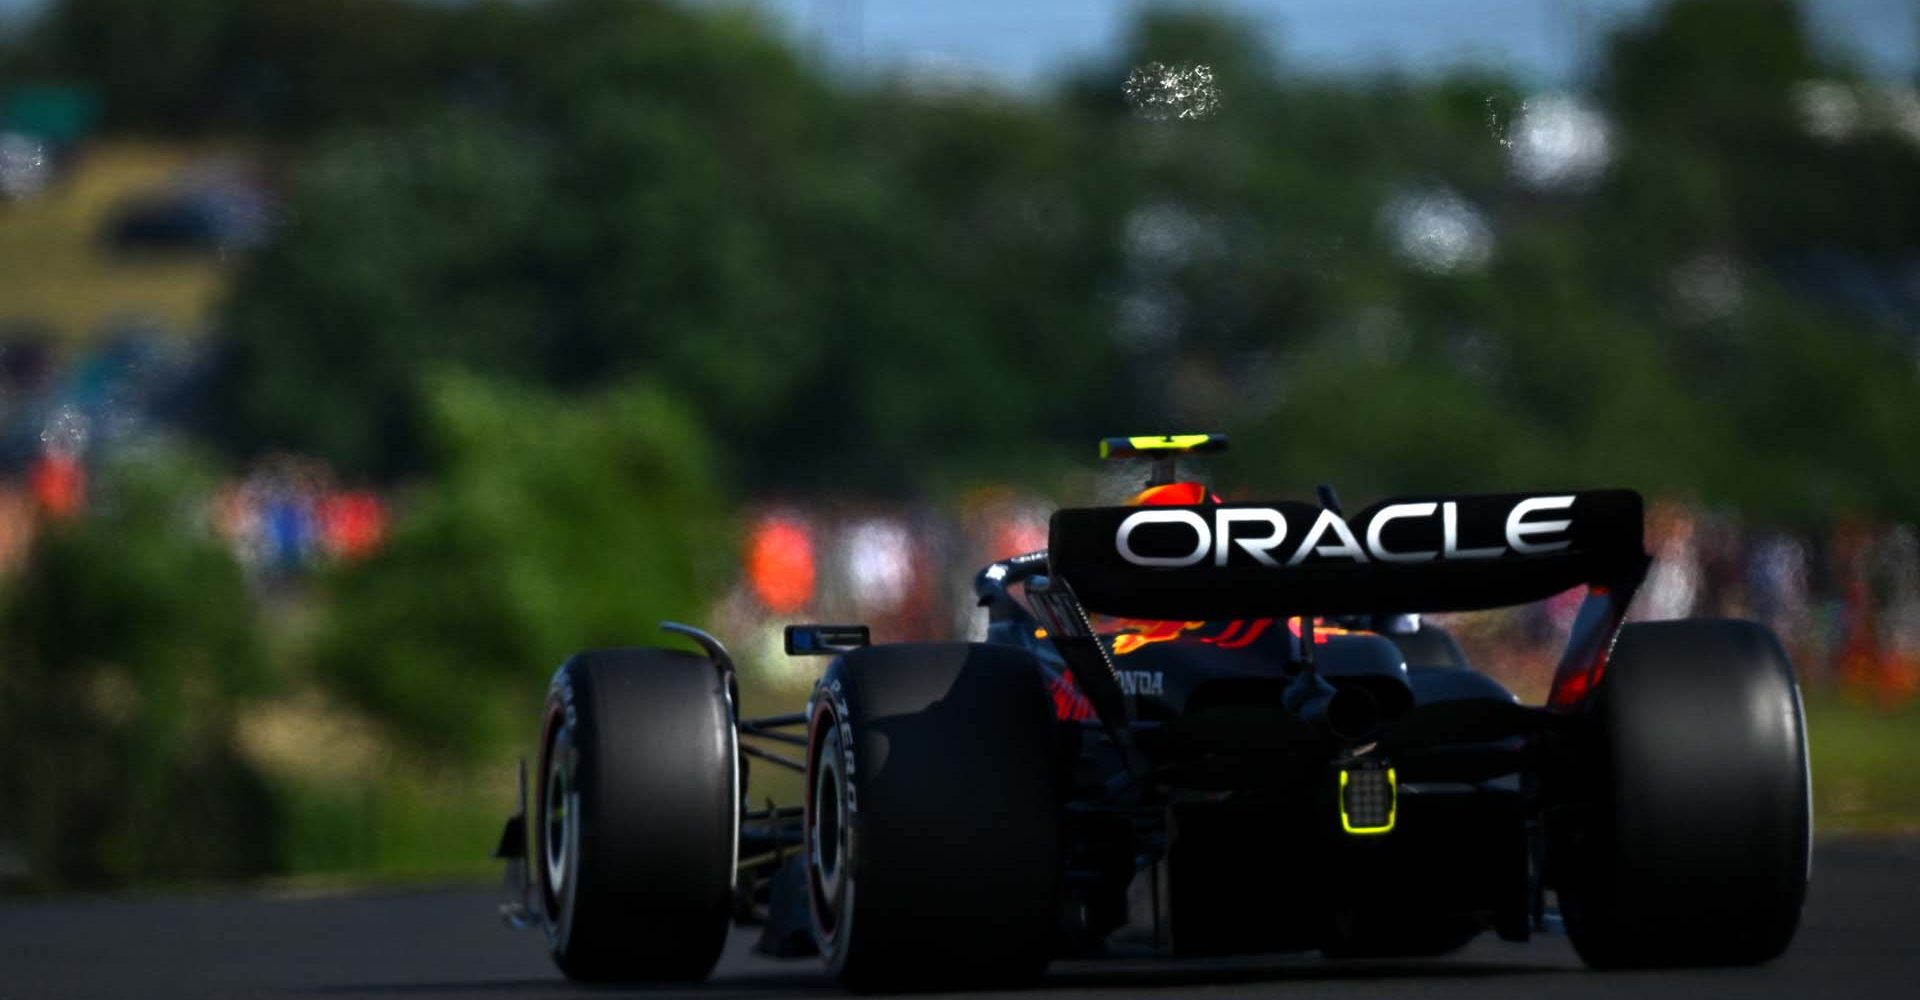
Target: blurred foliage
{"points": [[397, 827], [125, 648], [409, 246], [938, 285], [556, 526], [822, 272], [286, 69]]}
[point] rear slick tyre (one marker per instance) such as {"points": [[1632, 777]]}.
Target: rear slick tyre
{"points": [[1693, 842], [931, 826], [635, 816]]}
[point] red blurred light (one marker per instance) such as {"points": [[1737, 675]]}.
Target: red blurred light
{"points": [[352, 523], [59, 484], [780, 566]]}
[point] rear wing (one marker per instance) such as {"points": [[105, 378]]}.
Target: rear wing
{"points": [[1462, 553], [1459, 553]]}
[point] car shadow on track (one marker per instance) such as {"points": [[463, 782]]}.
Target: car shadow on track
{"points": [[1278, 969], [797, 983], [1125, 974]]}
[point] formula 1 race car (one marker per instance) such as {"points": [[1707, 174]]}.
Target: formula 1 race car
{"points": [[1194, 728]]}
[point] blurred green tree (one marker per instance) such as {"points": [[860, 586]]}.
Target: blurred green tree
{"points": [[289, 69], [934, 285], [126, 648], [673, 195], [410, 251], [555, 526], [1718, 156]]}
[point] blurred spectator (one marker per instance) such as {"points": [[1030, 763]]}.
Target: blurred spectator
{"points": [[780, 563], [58, 483], [16, 529], [289, 530], [352, 523], [288, 517], [1674, 581]]}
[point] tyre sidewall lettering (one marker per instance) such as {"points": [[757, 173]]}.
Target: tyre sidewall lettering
{"points": [[830, 713], [561, 734]]}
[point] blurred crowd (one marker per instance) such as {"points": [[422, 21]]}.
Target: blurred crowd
{"points": [[62, 417], [73, 399], [1845, 597], [905, 571], [289, 516]]}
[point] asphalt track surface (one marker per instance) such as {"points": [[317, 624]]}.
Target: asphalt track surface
{"points": [[1860, 938]]}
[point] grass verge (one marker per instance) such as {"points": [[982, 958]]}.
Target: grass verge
{"points": [[1864, 767]]}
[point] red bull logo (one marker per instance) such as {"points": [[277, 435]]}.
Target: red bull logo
{"points": [[1136, 635]]}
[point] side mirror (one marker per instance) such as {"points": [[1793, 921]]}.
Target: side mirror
{"points": [[826, 640]]}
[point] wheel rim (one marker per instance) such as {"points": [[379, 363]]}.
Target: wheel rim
{"points": [[829, 854], [560, 818]]}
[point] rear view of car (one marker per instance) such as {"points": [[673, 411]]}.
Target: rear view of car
{"points": [[1194, 728]]}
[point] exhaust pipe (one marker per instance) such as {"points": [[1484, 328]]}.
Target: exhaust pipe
{"points": [[1372, 669], [1348, 713], [1353, 714]]}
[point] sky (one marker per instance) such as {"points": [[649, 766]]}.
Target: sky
{"points": [[1025, 42]]}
